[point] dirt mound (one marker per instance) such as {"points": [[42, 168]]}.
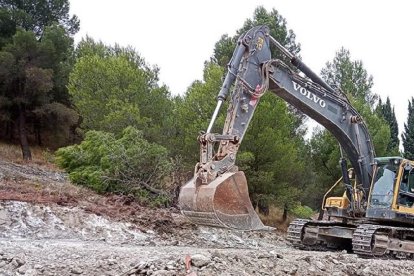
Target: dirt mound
{"points": [[37, 184]]}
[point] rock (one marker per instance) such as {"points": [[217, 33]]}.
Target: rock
{"points": [[164, 273], [264, 255], [2, 263], [200, 260], [22, 270], [14, 263], [169, 267], [320, 265], [306, 259], [20, 261], [141, 265], [335, 261], [76, 270], [31, 272], [290, 270], [133, 271], [366, 271], [111, 261]]}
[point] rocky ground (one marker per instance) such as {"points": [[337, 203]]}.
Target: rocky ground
{"points": [[50, 227]]}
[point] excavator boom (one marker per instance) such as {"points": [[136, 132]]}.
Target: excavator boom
{"points": [[217, 195]]}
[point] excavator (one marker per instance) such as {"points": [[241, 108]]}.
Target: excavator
{"points": [[375, 214]]}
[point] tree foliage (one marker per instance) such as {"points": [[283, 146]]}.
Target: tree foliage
{"points": [[113, 87], [408, 134], [32, 77], [271, 156], [277, 24], [388, 113], [36, 16], [352, 78], [193, 113], [35, 59]]}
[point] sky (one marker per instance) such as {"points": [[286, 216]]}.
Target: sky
{"points": [[179, 36]]}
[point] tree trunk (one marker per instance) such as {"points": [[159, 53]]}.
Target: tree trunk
{"points": [[8, 135], [38, 134], [263, 207], [24, 144], [285, 213]]}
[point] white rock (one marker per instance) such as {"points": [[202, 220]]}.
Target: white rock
{"points": [[320, 265], [366, 270], [76, 270], [200, 260]]}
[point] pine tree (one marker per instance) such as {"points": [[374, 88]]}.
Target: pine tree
{"points": [[408, 134], [388, 113]]}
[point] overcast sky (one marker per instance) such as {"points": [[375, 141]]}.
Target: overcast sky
{"points": [[179, 35]]}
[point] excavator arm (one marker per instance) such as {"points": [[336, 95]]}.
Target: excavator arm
{"points": [[331, 110], [218, 194]]}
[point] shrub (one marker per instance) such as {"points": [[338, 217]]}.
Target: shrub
{"points": [[304, 211], [127, 164]]}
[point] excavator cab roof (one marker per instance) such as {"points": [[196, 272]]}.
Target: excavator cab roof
{"points": [[396, 160]]}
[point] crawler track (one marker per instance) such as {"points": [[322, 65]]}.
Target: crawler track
{"points": [[368, 240], [383, 241], [320, 235], [295, 230]]}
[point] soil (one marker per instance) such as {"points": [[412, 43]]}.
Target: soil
{"points": [[50, 227]]}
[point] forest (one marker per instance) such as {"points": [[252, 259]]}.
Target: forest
{"points": [[111, 125]]}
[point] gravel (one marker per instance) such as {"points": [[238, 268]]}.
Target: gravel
{"points": [[37, 239]]}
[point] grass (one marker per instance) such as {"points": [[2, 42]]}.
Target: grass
{"points": [[275, 218], [40, 156], [34, 188]]}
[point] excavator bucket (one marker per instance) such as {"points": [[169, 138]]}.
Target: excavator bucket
{"points": [[224, 202]]}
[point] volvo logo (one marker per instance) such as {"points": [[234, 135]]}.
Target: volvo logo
{"points": [[305, 92]]}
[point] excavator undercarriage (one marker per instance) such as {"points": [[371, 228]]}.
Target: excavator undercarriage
{"points": [[364, 238]]}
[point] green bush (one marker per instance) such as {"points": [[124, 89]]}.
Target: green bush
{"points": [[127, 164], [304, 212]]}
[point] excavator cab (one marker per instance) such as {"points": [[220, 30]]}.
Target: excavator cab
{"points": [[405, 196], [392, 190], [382, 192]]}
